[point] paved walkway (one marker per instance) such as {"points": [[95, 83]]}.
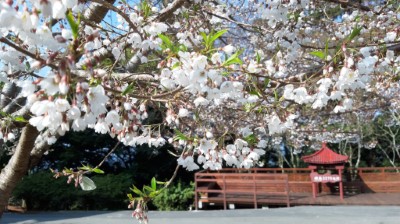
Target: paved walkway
{"points": [[294, 215]]}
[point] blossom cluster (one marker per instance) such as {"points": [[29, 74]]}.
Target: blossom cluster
{"points": [[226, 93]]}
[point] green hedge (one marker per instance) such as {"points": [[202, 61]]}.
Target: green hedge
{"points": [[176, 197], [42, 192]]}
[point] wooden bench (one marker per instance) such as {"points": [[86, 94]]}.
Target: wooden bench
{"points": [[378, 180], [18, 209], [244, 187], [381, 186]]}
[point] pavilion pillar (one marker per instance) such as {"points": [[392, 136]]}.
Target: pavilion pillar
{"points": [[340, 172], [314, 185]]}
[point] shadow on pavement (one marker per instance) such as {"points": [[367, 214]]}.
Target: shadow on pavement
{"points": [[59, 216]]}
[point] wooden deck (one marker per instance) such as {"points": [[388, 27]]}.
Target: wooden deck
{"points": [[299, 199], [356, 199]]}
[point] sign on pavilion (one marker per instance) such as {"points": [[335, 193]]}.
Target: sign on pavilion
{"points": [[325, 159]]}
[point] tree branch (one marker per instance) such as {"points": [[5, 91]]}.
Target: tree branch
{"points": [[10, 91], [168, 11], [350, 3], [97, 12], [25, 52], [115, 9], [38, 151]]}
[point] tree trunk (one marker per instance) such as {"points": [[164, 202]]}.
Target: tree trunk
{"points": [[26, 153], [18, 165]]}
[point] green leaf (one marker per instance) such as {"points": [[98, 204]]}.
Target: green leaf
{"points": [[137, 191], [180, 135], [176, 65], [166, 41], [255, 93], [319, 54], [183, 48], [356, 31], [233, 59], [214, 37], [147, 190], [94, 82], [154, 193], [73, 24], [28, 66], [20, 119], [326, 47], [276, 96], [130, 197], [250, 139], [97, 170], [258, 58], [204, 35], [68, 171], [105, 63], [145, 8], [266, 82], [90, 169], [87, 168], [161, 182], [154, 183], [208, 40], [205, 39], [248, 107], [225, 73], [128, 89]]}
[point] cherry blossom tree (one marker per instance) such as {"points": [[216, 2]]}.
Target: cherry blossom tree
{"points": [[223, 77]]}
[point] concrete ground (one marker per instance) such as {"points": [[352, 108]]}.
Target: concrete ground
{"points": [[293, 215]]}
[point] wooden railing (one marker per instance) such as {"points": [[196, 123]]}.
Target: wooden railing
{"points": [[379, 179], [242, 187], [259, 185]]}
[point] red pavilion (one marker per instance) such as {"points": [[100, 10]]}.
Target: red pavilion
{"points": [[326, 160]]}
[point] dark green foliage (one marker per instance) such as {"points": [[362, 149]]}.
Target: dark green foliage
{"points": [[42, 191], [128, 166], [85, 148], [176, 197]]}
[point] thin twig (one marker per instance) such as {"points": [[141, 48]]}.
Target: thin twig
{"points": [[244, 26], [108, 155], [23, 51], [173, 177], [175, 172], [325, 131]]}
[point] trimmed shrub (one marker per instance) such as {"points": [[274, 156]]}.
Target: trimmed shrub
{"points": [[42, 192], [176, 197]]}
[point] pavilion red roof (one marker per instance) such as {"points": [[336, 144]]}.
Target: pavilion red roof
{"points": [[325, 156]]}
